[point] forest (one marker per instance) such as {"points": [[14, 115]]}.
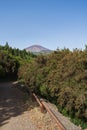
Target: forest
{"points": [[10, 61], [60, 77]]}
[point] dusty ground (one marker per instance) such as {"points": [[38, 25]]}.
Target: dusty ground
{"points": [[13, 111], [16, 114]]}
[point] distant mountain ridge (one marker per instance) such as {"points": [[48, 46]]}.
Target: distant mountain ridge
{"points": [[37, 49]]}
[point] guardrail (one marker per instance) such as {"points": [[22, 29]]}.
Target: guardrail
{"points": [[43, 105]]}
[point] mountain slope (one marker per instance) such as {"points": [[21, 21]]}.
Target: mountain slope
{"points": [[37, 49]]}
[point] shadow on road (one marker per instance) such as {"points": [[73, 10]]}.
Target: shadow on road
{"points": [[11, 102]]}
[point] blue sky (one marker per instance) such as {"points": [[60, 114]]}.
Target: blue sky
{"points": [[50, 23]]}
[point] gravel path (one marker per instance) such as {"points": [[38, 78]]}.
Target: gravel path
{"points": [[15, 114], [13, 111]]}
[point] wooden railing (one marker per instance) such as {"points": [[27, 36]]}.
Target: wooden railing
{"points": [[43, 105]]}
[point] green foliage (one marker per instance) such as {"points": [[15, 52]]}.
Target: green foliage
{"points": [[11, 59], [44, 90], [8, 65], [60, 77], [2, 71]]}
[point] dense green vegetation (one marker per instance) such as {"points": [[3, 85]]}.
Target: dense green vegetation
{"points": [[10, 61], [61, 77]]}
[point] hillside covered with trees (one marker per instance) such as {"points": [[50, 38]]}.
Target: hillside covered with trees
{"points": [[60, 77], [10, 61]]}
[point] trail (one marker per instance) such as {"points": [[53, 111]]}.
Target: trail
{"points": [[13, 111]]}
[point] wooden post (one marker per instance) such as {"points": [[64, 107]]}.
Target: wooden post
{"points": [[41, 105]]}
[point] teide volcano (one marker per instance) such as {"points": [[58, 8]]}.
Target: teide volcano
{"points": [[37, 49]]}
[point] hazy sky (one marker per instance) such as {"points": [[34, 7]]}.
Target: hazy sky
{"points": [[50, 23]]}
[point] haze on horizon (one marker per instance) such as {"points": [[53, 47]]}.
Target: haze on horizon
{"points": [[49, 23]]}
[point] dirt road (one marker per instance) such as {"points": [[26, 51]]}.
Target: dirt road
{"points": [[13, 112], [16, 114]]}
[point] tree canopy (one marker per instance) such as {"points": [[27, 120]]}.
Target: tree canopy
{"points": [[11, 59]]}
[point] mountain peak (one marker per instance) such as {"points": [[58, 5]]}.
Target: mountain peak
{"points": [[37, 48]]}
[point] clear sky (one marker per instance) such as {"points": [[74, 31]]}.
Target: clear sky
{"points": [[50, 23]]}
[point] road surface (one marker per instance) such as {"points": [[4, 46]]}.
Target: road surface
{"points": [[13, 112]]}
